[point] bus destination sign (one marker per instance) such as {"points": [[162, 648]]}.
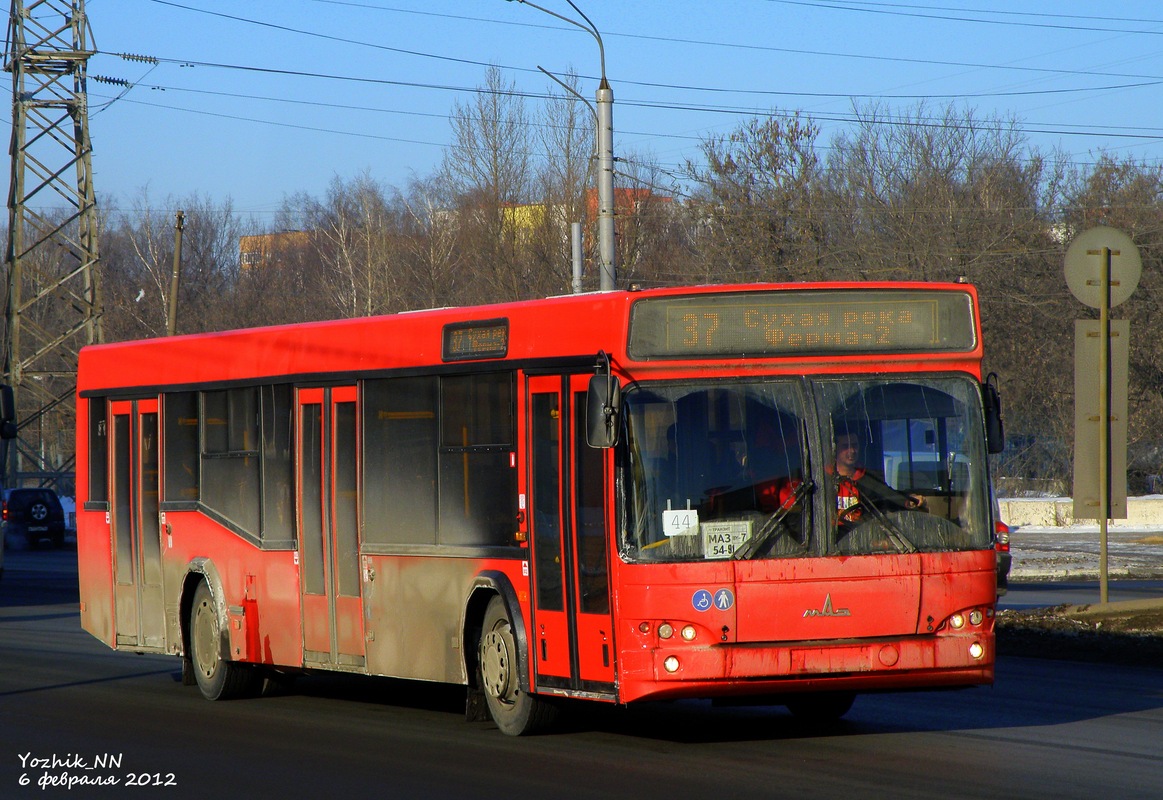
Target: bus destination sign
{"points": [[466, 341], [814, 322]]}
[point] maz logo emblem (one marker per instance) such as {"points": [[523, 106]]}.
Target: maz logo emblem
{"points": [[828, 610]]}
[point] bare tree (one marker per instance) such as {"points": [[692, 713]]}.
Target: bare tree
{"points": [[431, 246], [138, 259], [138, 277], [649, 224], [566, 135], [753, 204], [210, 266], [355, 231], [489, 168], [930, 196]]}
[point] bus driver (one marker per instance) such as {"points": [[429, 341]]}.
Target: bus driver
{"points": [[856, 487]]}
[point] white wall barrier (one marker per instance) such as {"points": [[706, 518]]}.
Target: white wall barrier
{"points": [[1053, 512]]}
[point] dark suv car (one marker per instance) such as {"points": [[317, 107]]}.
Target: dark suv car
{"points": [[35, 514]]}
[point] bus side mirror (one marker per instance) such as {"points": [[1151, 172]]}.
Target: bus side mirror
{"points": [[7, 413], [995, 437], [603, 404]]}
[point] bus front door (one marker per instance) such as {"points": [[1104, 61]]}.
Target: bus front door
{"points": [[572, 646], [328, 518], [137, 556]]}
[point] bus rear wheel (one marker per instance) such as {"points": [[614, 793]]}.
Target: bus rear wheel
{"points": [[217, 677], [516, 712]]}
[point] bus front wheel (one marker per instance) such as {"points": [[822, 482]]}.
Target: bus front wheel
{"points": [[515, 711], [217, 677]]}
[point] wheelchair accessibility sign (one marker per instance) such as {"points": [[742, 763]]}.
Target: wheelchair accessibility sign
{"points": [[722, 599]]}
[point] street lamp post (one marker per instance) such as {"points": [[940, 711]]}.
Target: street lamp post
{"points": [[607, 251]]}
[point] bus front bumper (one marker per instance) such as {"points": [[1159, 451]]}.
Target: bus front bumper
{"points": [[739, 670]]}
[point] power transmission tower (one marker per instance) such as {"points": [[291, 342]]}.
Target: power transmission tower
{"points": [[52, 307]]}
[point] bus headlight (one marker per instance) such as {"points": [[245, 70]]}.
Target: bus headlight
{"points": [[957, 622], [665, 630], [670, 664], [975, 616], [688, 633], [976, 650]]}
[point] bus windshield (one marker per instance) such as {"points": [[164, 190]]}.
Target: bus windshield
{"points": [[743, 471]]}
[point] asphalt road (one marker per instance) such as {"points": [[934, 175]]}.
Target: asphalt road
{"points": [[69, 706], [1076, 593]]}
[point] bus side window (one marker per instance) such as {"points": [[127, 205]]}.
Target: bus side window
{"points": [[399, 480], [478, 485], [278, 468], [98, 451], [180, 413]]}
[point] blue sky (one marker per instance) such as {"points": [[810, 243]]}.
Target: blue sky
{"points": [[259, 100]]}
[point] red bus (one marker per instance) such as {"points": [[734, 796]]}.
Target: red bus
{"points": [[617, 497]]}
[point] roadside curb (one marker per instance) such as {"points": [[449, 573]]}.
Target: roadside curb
{"points": [[1102, 647], [1114, 609], [1127, 632]]}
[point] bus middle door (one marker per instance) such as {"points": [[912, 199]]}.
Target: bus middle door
{"points": [[333, 629], [572, 647], [137, 556]]}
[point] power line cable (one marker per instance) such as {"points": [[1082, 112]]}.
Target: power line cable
{"points": [[1152, 80], [697, 107], [690, 88], [893, 9]]}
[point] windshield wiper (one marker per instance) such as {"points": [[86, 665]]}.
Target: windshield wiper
{"points": [[774, 524], [895, 534]]}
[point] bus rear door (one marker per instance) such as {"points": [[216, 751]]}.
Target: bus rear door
{"points": [[137, 558], [333, 629], [572, 643]]}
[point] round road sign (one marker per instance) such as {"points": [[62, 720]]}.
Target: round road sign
{"points": [[1084, 265]]}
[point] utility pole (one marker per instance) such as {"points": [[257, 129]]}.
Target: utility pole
{"points": [[607, 246], [52, 255], [176, 275]]}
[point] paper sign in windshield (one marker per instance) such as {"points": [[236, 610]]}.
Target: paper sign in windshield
{"points": [[722, 539], [680, 522]]}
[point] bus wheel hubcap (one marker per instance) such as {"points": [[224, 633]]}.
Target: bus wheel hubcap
{"points": [[495, 666], [204, 635]]}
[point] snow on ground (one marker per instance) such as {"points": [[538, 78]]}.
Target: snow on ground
{"points": [[1054, 553], [1047, 543]]}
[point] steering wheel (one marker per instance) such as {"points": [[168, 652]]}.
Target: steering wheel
{"points": [[850, 515]]}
